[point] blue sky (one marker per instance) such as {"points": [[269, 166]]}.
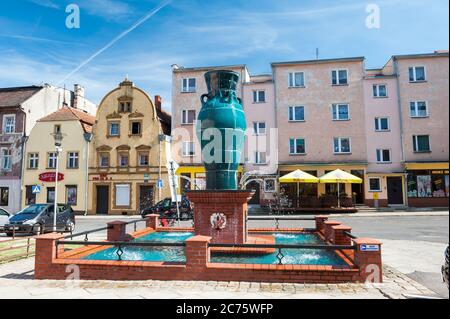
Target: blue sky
{"points": [[36, 47]]}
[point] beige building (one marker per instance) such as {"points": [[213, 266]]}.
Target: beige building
{"points": [[128, 152], [40, 159]]}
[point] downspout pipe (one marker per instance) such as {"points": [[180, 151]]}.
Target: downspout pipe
{"points": [[88, 139]]}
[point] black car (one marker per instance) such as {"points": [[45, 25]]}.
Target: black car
{"points": [[166, 208], [445, 268], [38, 218]]}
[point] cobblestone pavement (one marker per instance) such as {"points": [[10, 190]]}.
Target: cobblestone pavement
{"points": [[16, 282]]}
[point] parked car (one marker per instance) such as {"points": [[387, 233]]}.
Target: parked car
{"points": [[4, 218], [445, 268], [38, 218], [166, 207]]}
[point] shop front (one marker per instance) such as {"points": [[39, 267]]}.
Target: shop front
{"points": [[427, 184]]}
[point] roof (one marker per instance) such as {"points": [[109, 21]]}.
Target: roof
{"points": [[207, 68], [422, 55], [15, 96], [71, 114], [166, 121], [352, 59]]}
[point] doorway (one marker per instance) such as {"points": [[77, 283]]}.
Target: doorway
{"points": [[102, 200], [145, 197], [358, 189], [254, 186], [50, 195], [395, 190]]}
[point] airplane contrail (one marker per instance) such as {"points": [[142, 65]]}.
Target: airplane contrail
{"points": [[120, 36]]}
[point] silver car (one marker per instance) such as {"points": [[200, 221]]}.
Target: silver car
{"points": [[4, 218]]}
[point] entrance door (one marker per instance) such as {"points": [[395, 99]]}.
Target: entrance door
{"points": [[145, 197], [358, 189], [395, 190], [255, 200], [50, 195], [102, 200], [30, 197]]}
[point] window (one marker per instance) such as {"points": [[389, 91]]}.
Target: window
{"points": [[421, 143], [103, 160], [383, 156], [297, 146], [51, 160], [71, 195], [418, 109], [9, 124], [269, 185], [143, 159], [340, 112], [187, 116], [123, 195], [339, 77], [189, 85], [296, 79], [33, 160], [379, 90], [113, 129], [135, 128], [296, 113], [381, 124], [426, 183], [374, 184], [188, 149], [30, 197], [57, 129], [125, 107], [123, 160], [417, 74], [259, 96], [260, 157], [51, 196], [259, 128], [72, 160], [342, 145], [4, 196]]}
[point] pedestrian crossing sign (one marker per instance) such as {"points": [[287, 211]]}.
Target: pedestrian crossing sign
{"points": [[36, 189]]}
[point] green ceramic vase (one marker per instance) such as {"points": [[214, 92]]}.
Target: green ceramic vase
{"points": [[221, 130]]}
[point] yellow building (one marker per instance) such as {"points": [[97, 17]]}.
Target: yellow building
{"points": [[40, 155], [128, 152]]}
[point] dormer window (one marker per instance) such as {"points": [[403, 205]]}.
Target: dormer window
{"points": [[125, 104]]}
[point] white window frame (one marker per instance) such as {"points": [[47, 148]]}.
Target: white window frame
{"points": [[100, 157], [291, 79], [256, 97], [337, 77], [187, 148], [73, 156], [416, 109], [185, 116], [11, 128], [185, 88], [274, 184], [415, 73], [123, 189], [33, 158], [258, 156], [51, 157], [340, 145], [382, 160], [6, 159], [257, 130], [293, 113], [110, 124], [295, 146], [416, 144], [378, 122], [376, 92], [337, 107], [379, 183]]}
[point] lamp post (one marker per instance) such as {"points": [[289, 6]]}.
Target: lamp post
{"points": [[58, 142]]}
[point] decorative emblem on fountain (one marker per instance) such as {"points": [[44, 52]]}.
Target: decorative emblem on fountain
{"points": [[218, 221]]}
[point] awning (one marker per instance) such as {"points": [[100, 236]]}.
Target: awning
{"points": [[298, 176], [340, 176], [426, 166]]}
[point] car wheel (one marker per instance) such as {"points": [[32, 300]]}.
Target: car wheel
{"points": [[70, 226], [37, 229]]}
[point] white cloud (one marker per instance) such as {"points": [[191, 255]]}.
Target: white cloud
{"points": [[46, 3]]}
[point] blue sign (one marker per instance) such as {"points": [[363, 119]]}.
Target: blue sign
{"points": [[365, 247], [36, 189], [160, 183]]}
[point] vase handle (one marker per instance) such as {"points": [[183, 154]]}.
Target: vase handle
{"points": [[202, 98]]}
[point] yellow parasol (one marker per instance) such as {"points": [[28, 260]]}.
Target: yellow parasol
{"points": [[339, 176], [298, 177]]}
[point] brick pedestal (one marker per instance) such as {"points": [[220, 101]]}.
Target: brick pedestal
{"points": [[328, 230], [197, 253], [152, 221], [368, 260], [233, 204], [45, 254], [320, 219], [117, 231], [339, 236]]}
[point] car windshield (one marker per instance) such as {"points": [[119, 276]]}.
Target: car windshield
{"points": [[33, 209]]}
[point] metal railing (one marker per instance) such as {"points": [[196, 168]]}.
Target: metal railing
{"points": [[278, 219]]}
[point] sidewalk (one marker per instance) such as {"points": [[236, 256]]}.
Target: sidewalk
{"points": [[16, 282]]}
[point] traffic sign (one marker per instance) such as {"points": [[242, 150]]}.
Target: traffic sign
{"points": [[36, 189], [367, 247], [159, 184]]}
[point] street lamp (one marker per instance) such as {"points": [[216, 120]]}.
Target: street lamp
{"points": [[58, 142]]}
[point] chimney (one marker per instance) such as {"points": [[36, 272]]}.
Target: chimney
{"points": [[78, 95], [158, 103]]}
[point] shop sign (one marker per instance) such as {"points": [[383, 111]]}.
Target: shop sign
{"points": [[50, 177]]}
